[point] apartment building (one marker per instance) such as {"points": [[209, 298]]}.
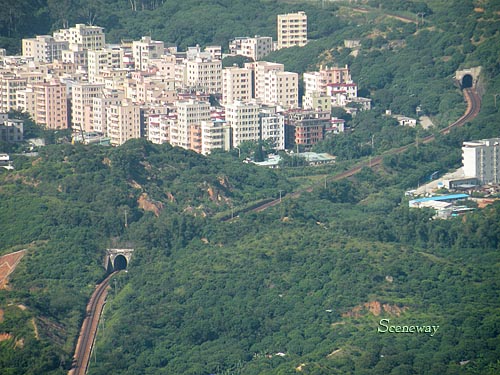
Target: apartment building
{"points": [[481, 159], [11, 130], [100, 104], [214, 51], [44, 48], [145, 50], [81, 38], [26, 100], [155, 90], [83, 94], [101, 60], [164, 66], [215, 135], [204, 74], [292, 30], [254, 48], [123, 122], [317, 100], [272, 127], [243, 118], [349, 89], [309, 126], [187, 131], [318, 81], [282, 88], [260, 70], [236, 84], [50, 105], [158, 127], [88, 37], [10, 84]]}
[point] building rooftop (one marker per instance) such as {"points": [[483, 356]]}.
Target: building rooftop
{"points": [[440, 198]]}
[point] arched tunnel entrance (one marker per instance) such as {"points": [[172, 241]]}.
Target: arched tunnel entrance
{"points": [[467, 81], [120, 263]]}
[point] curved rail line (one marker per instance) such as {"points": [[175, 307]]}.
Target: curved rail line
{"points": [[89, 328], [473, 106]]}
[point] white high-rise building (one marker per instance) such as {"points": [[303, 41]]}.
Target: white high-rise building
{"points": [[83, 94], [158, 127], [215, 134], [272, 127], [292, 30], [282, 88], [236, 84], [44, 48], [204, 73], [243, 118], [481, 159], [87, 37], [261, 68], [255, 48], [99, 107], [10, 83], [190, 114], [81, 38]]}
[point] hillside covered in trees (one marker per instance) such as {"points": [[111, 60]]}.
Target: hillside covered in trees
{"points": [[299, 288]]}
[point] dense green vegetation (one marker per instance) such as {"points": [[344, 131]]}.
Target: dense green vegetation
{"points": [[203, 296]]}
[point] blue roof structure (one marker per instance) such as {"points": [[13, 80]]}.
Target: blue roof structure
{"points": [[448, 197]]}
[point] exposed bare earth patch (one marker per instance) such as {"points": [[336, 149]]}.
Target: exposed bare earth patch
{"points": [[376, 308], [8, 264], [5, 336]]}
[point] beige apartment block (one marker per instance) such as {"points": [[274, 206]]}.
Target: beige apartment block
{"points": [[292, 30], [26, 100], [236, 84], [164, 66], [44, 48], [156, 90], [282, 89], [318, 81], [51, 105], [101, 60], [123, 122], [145, 50]]}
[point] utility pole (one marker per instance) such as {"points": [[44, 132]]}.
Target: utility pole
{"points": [[495, 98]]}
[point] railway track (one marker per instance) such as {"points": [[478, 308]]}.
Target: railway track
{"points": [[473, 107], [89, 328]]}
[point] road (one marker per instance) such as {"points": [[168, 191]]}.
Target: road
{"points": [[89, 328], [473, 108]]}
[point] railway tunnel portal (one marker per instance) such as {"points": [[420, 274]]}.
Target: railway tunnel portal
{"points": [[117, 259]]}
